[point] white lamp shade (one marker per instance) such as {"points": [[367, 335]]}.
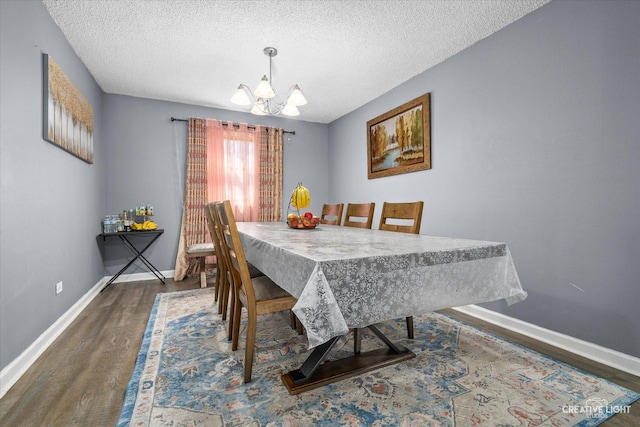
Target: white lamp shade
{"points": [[259, 108], [241, 97], [296, 98], [290, 110], [264, 89]]}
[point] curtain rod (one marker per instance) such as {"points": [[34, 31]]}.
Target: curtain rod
{"points": [[173, 119]]}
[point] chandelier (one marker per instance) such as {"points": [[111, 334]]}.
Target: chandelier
{"points": [[264, 102]]}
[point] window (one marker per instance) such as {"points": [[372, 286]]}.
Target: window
{"points": [[233, 164]]}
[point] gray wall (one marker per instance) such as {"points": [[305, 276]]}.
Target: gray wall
{"points": [[535, 134], [146, 158], [535, 143], [50, 201]]}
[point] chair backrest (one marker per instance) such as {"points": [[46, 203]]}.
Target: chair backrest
{"points": [[359, 215], [405, 217], [237, 265], [331, 214], [211, 224], [214, 228], [223, 259]]}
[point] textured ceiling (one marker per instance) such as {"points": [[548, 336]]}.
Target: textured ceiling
{"points": [[343, 54]]}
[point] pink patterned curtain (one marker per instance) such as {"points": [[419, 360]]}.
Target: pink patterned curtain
{"points": [[228, 162], [233, 165], [194, 226], [270, 174]]}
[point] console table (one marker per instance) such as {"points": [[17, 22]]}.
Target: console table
{"points": [[138, 254]]}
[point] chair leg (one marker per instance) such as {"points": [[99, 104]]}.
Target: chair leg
{"points": [[225, 300], [228, 304], [223, 305], [357, 340], [293, 320], [232, 316], [250, 347], [410, 327], [224, 293], [296, 323], [221, 297], [203, 272], [233, 301], [237, 310], [216, 291]]}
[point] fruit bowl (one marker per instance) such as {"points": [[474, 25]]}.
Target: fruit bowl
{"points": [[303, 223]]}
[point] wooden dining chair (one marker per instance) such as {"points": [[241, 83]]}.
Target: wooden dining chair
{"points": [[403, 218], [359, 215], [331, 214], [221, 285], [223, 280], [257, 295], [223, 291], [200, 252]]}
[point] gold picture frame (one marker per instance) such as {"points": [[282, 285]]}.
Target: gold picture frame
{"points": [[399, 141], [66, 115]]}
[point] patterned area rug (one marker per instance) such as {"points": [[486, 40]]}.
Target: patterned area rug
{"points": [[187, 375]]}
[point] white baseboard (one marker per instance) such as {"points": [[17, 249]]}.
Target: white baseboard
{"points": [[595, 352], [14, 370], [140, 276]]}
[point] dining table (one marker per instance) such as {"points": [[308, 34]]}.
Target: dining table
{"points": [[346, 279]]}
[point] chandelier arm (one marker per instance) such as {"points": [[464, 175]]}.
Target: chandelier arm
{"points": [[249, 92], [289, 92], [273, 107]]}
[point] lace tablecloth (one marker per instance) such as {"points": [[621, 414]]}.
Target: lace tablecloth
{"points": [[348, 277]]}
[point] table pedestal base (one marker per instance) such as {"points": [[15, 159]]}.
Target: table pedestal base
{"points": [[313, 373], [341, 369]]}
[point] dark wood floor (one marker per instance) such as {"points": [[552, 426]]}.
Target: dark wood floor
{"points": [[80, 380]]}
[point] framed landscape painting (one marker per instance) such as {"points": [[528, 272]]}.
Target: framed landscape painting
{"points": [[67, 115], [399, 141]]}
